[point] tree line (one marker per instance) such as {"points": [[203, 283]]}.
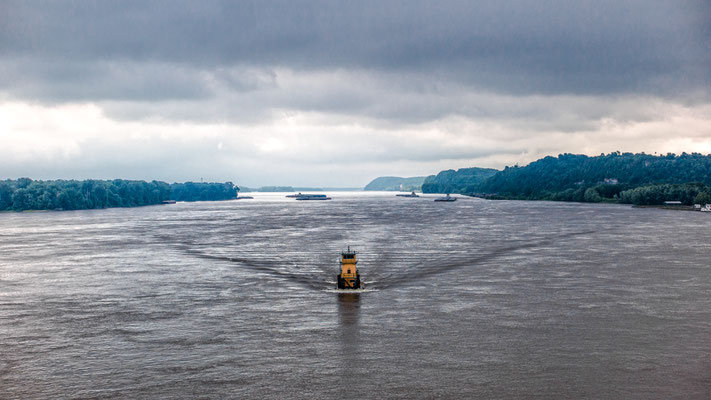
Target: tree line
{"points": [[615, 177], [27, 194], [203, 191], [463, 180]]}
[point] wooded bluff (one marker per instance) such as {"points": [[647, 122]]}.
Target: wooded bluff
{"points": [[615, 177]]}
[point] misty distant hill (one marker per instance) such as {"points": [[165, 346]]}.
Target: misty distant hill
{"points": [[396, 183], [463, 180]]}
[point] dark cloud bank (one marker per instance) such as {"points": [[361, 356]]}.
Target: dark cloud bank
{"points": [[521, 47]]}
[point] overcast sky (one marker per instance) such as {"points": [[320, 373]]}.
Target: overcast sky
{"points": [[336, 93]]}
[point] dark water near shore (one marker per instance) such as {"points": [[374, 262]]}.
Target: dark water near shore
{"points": [[472, 299]]}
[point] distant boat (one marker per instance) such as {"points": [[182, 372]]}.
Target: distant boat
{"points": [[294, 195], [312, 197], [243, 197], [413, 194], [706, 208], [446, 198]]}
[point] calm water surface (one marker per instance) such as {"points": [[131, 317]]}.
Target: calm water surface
{"points": [[472, 299]]}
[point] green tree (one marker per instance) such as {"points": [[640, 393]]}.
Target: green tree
{"points": [[21, 200], [702, 198], [5, 196], [592, 196]]}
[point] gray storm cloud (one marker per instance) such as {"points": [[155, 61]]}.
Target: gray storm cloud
{"points": [[410, 86], [523, 46]]}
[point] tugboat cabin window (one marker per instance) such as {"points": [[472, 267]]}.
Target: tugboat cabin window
{"points": [[348, 256]]}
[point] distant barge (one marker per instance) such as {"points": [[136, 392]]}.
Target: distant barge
{"points": [[446, 198], [312, 197]]}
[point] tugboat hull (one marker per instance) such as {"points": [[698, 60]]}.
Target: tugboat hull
{"points": [[349, 283]]}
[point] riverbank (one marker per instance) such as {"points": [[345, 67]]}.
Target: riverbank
{"points": [[663, 207], [25, 194]]}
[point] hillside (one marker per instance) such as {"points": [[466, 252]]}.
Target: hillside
{"points": [[463, 180], [612, 177], [396, 183]]}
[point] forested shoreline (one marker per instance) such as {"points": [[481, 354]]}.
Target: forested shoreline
{"points": [[27, 194], [463, 180], [640, 179]]}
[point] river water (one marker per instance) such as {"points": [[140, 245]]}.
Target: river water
{"points": [[470, 299]]}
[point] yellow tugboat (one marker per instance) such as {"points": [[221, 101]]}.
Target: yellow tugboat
{"points": [[349, 278]]}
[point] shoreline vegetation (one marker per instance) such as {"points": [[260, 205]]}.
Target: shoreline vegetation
{"points": [[663, 207], [25, 194], [623, 178]]}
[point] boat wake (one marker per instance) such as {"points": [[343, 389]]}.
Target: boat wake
{"points": [[414, 275], [426, 269], [347, 291], [312, 281]]}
